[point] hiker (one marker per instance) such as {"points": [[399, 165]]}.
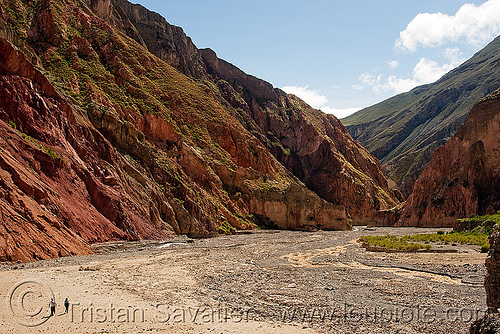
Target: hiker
{"points": [[66, 305], [52, 306]]}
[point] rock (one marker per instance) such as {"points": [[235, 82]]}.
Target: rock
{"points": [[105, 141], [296, 208], [462, 177], [405, 130], [492, 280], [387, 217], [489, 324], [315, 147]]}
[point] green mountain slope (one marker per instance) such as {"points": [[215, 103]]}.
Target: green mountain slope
{"points": [[404, 131]]}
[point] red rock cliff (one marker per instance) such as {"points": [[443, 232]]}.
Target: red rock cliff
{"points": [[315, 147], [463, 176], [102, 141]]}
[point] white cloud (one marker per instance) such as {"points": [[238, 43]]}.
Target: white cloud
{"points": [[473, 24], [370, 80], [454, 55], [311, 97], [318, 101], [400, 85], [393, 64], [379, 84], [340, 113], [426, 71]]}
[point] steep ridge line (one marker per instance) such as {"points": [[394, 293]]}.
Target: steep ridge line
{"points": [[404, 131], [315, 147]]}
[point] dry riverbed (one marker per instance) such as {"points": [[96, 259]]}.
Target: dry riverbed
{"points": [[264, 282]]}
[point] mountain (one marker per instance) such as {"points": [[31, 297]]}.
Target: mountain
{"points": [[314, 146], [463, 176], [404, 130], [116, 127]]}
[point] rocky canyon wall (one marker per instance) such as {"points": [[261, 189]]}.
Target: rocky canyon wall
{"points": [[463, 176], [314, 146], [491, 322], [102, 140]]}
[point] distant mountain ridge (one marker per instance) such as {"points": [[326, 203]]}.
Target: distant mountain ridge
{"points": [[403, 131]]}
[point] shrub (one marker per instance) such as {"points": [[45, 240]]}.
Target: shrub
{"points": [[51, 153], [226, 228]]}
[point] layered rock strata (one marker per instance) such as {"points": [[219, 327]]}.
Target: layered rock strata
{"points": [[101, 140], [314, 146]]}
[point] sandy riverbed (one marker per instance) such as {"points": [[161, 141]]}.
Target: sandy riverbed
{"points": [[264, 282]]}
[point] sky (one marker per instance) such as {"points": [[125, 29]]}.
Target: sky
{"points": [[338, 56]]}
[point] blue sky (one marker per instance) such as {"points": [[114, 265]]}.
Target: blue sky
{"points": [[339, 56]]}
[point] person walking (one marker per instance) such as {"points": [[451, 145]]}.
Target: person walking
{"points": [[66, 305], [52, 306]]}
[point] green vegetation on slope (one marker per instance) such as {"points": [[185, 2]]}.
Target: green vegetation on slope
{"points": [[118, 84], [486, 221], [404, 130]]}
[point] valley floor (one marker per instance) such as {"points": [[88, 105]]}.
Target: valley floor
{"points": [[264, 282]]}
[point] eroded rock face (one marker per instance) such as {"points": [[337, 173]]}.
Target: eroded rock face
{"points": [[491, 322], [463, 176], [424, 118], [294, 210], [150, 29], [315, 147], [282, 204], [492, 281], [142, 151], [62, 186]]}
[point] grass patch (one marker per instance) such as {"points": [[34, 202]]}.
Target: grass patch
{"points": [[51, 153], [424, 241], [46, 149], [479, 236], [393, 242], [474, 237], [484, 220]]}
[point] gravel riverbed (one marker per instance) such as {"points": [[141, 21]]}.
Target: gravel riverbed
{"points": [[261, 282]]}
